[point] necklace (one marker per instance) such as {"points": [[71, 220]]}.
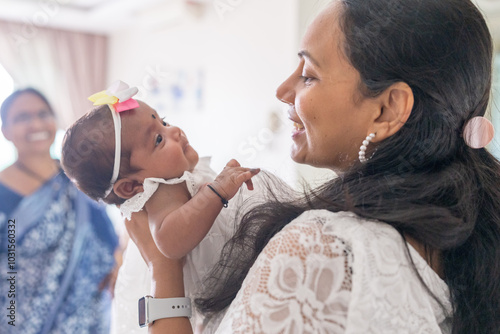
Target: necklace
{"points": [[23, 168]]}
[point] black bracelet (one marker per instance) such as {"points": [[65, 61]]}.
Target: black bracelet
{"points": [[223, 200]]}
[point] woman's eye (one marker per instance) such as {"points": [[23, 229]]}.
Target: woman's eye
{"points": [[164, 123], [159, 139], [306, 80]]}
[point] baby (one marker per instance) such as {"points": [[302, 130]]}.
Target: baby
{"points": [[123, 153]]}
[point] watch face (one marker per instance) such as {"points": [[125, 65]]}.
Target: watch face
{"points": [[142, 312]]}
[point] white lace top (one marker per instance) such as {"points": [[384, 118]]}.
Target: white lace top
{"points": [[337, 273]]}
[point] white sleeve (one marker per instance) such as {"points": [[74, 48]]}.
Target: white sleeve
{"points": [[331, 272], [300, 283]]}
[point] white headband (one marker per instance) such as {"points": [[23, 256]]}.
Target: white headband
{"points": [[118, 97], [118, 148]]}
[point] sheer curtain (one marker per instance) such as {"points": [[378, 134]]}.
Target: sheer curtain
{"points": [[66, 66]]}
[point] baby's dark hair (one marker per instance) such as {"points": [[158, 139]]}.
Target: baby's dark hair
{"points": [[88, 154]]}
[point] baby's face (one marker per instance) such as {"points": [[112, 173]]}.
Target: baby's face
{"points": [[158, 149]]}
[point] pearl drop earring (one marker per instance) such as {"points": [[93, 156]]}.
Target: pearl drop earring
{"points": [[362, 149]]}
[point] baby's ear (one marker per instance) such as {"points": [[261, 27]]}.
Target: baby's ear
{"points": [[127, 188]]}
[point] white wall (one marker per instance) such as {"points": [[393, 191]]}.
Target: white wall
{"points": [[245, 54]]}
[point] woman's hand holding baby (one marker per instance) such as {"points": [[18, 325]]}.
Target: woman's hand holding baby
{"points": [[138, 230], [167, 274], [229, 181]]}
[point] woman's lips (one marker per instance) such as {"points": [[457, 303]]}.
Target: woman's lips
{"points": [[298, 129]]}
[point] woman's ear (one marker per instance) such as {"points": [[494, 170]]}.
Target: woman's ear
{"points": [[397, 104], [127, 188]]}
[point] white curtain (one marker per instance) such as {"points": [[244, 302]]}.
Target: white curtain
{"points": [[66, 66]]}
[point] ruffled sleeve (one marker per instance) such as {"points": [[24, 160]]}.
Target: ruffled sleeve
{"points": [[201, 174]]}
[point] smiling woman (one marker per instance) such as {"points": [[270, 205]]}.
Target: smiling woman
{"points": [[407, 238], [66, 242]]}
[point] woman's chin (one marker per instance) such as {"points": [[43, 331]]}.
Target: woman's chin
{"points": [[298, 155], [34, 148], [305, 159]]}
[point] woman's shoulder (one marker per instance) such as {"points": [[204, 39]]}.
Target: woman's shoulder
{"points": [[300, 276], [310, 234], [336, 261], [9, 198], [383, 270], [320, 255], [7, 176], [348, 233], [347, 225], [366, 238]]}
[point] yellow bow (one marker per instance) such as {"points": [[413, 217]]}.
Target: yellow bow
{"points": [[103, 98]]}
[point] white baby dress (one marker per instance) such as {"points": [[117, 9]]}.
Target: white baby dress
{"points": [[134, 281]]}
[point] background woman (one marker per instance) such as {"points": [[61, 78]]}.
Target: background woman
{"points": [[64, 243], [407, 238]]}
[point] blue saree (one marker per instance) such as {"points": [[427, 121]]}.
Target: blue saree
{"points": [[56, 247]]}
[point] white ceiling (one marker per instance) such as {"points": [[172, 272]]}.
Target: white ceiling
{"points": [[95, 16], [106, 16]]}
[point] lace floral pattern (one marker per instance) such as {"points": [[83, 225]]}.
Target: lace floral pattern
{"points": [[336, 273], [294, 286]]}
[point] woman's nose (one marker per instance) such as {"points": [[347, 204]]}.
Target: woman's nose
{"points": [[37, 122], [285, 92]]}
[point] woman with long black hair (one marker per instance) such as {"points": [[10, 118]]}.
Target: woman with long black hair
{"points": [[391, 94]]}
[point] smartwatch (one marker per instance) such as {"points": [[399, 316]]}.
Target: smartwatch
{"points": [[151, 309]]}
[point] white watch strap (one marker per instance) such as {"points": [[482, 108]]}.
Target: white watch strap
{"points": [[160, 308]]}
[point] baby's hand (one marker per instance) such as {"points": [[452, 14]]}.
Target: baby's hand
{"points": [[232, 177]]}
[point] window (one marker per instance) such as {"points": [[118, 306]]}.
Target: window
{"points": [[494, 147], [6, 88]]}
